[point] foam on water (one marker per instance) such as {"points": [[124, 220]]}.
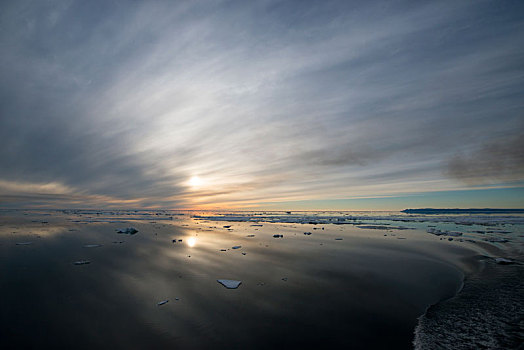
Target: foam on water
{"points": [[487, 314]]}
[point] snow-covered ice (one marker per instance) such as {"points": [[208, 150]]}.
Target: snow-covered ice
{"points": [[229, 284]]}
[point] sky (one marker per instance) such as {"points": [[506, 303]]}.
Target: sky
{"points": [[261, 104]]}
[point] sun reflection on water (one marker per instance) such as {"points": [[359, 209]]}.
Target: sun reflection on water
{"points": [[191, 241]]}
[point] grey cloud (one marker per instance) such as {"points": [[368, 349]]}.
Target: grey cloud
{"points": [[497, 162]]}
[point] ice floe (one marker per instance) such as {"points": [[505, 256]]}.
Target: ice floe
{"points": [[437, 232], [82, 262], [504, 261], [229, 284], [127, 231], [384, 227]]}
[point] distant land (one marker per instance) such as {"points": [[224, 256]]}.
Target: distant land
{"points": [[463, 211]]}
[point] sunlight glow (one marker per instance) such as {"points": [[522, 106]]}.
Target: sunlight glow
{"points": [[195, 181]]}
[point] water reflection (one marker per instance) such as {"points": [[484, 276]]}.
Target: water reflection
{"points": [[344, 283], [191, 241]]}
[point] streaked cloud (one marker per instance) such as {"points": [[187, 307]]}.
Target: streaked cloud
{"points": [[264, 101]]}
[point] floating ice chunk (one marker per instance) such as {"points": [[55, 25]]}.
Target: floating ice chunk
{"points": [[92, 245], [436, 232], [496, 240], [375, 227], [236, 247], [230, 284], [24, 243], [504, 261], [128, 230], [162, 302], [82, 262], [454, 233], [384, 227]]}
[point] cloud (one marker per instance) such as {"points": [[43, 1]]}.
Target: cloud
{"points": [[265, 101], [496, 162]]}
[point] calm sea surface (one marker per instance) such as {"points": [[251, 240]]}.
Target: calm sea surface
{"points": [[359, 280]]}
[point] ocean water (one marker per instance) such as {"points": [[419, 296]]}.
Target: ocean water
{"points": [[360, 280]]}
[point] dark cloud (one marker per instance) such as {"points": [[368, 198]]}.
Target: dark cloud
{"points": [[493, 163]]}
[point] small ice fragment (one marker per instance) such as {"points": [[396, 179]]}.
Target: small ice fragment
{"points": [[503, 261], [92, 245], [162, 302], [24, 243], [230, 284], [128, 230], [82, 262], [236, 247]]}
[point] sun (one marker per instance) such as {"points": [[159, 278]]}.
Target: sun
{"points": [[195, 181]]}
